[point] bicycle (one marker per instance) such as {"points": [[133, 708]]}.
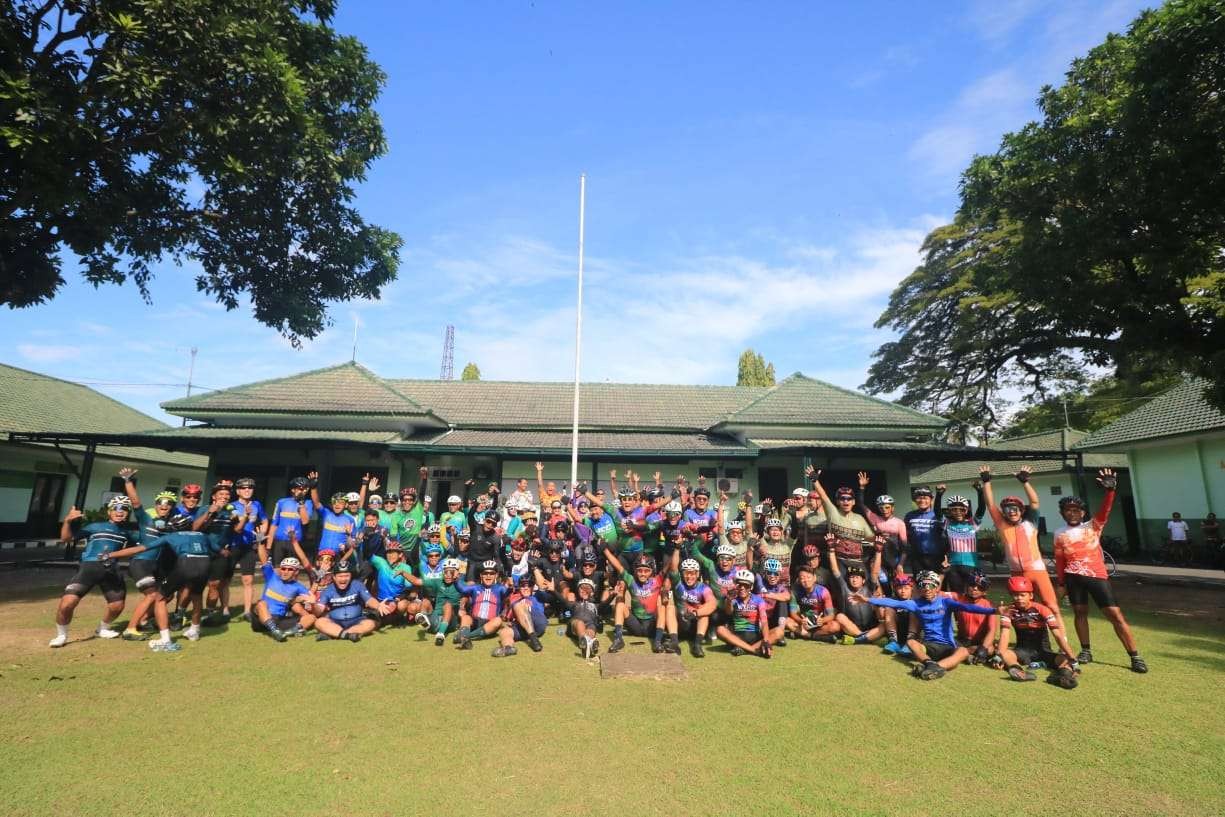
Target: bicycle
{"points": [[1175, 553]]}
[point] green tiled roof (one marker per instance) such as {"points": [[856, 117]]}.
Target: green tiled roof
{"points": [[31, 403], [864, 445], [292, 434], [1053, 441], [800, 400], [1181, 410], [620, 443], [345, 389], [498, 403]]}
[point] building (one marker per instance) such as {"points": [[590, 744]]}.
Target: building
{"points": [[1062, 473], [41, 480], [1175, 444], [345, 421]]}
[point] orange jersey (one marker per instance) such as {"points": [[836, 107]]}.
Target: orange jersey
{"points": [[1078, 549], [1020, 542]]}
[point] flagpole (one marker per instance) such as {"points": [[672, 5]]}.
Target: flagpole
{"points": [[578, 329]]}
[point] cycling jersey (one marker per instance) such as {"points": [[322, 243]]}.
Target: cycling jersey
{"points": [[1032, 624], [723, 581], [152, 527], [440, 592], [335, 531], [103, 537], [185, 544], [961, 541], [936, 616], [406, 528], [749, 615], [245, 538], [390, 580], [692, 597], [604, 528], [778, 588], [922, 532], [484, 603], [853, 536], [279, 594], [644, 598], [817, 600], [220, 527], [971, 627], [1078, 548], [345, 606], [702, 523], [285, 518], [1020, 541]]}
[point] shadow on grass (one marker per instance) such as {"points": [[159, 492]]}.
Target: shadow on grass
{"points": [[1199, 643]]}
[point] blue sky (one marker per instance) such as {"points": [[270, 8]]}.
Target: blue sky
{"points": [[758, 175]]}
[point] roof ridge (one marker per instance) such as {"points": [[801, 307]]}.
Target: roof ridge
{"points": [[435, 381], [244, 386], [769, 391], [800, 376], [374, 378]]}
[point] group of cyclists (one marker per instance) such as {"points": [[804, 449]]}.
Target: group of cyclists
{"points": [[641, 559]]}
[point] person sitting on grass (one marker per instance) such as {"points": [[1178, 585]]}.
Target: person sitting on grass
{"points": [[483, 616], [442, 595], [749, 630], [584, 608], [97, 568], [1033, 622], [282, 610], [811, 614], [975, 631], [648, 613], [772, 585], [897, 621], [342, 604], [1080, 570], [937, 650], [527, 619], [393, 581], [857, 619], [696, 602]]}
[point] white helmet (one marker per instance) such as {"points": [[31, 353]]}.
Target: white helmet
{"points": [[119, 503], [735, 524], [802, 493], [353, 496], [450, 564], [587, 583], [453, 500], [673, 507], [290, 561], [745, 576], [690, 564], [725, 550], [773, 522]]}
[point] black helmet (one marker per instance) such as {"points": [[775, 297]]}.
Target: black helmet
{"points": [[703, 491], [980, 580], [644, 561], [244, 482], [1068, 501], [343, 566], [299, 482]]}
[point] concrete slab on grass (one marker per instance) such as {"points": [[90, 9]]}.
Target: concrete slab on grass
{"points": [[637, 665]]}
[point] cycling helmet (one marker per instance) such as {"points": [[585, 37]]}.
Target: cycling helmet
{"points": [[339, 496], [774, 566], [725, 550], [406, 492], [290, 561], [844, 493], [735, 524], [589, 557], [489, 566], [1068, 501], [192, 489], [1020, 584], [587, 583], [343, 566], [957, 499], [165, 498], [353, 496], [119, 503], [329, 553], [927, 578], [744, 576], [627, 493], [690, 564], [674, 507], [644, 561], [433, 530], [453, 500], [855, 570], [394, 546], [773, 522], [375, 499], [802, 493], [432, 548], [450, 564], [884, 499], [702, 492], [244, 482], [980, 580], [903, 580], [922, 490], [1013, 500], [524, 578], [465, 534], [299, 482]]}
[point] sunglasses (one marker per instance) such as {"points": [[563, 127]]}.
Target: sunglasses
{"points": [[190, 496]]}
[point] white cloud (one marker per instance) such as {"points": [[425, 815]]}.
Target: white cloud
{"points": [[47, 353]]}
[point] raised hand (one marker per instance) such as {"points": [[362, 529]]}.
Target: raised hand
{"points": [[468, 483], [984, 473], [73, 513], [657, 476], [1024, 472], [374, 483], [940, 487], [312, 475], [539, 467], [612, 473], [1107, 479], [809, 471], [863, 479], [423, 471], [127, 473]]}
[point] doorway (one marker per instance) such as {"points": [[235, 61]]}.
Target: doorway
{"points": [[42, 521], [772, 483]]}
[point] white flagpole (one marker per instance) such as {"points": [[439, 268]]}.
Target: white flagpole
{"points": [[578, 329]]}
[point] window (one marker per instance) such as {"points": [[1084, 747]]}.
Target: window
{"points": [[1056, 490], [709, 472], [733, 473]]}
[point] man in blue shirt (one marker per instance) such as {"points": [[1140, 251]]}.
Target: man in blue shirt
{"points": [[342, 604], [923, 532], [97, 568], [288, 517], [282, 610], [192, 551]]}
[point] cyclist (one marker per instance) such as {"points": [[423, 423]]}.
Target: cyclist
{"points": [[338, 528], [922, 532], [393, 581], [1080, 570], [341, 607], [222, 522], [147, 569], [243, 545], [976, 631], [696, 601], [1033, 622], [852, 537], [897, 621], [192, 553], [282, 610], [1017, 527], [959, 541], [773, 546], [811, 614], [97, 568], [746, 613], [483, 616], [937, 650], [648, 614], [289, 516], [409, 521], [443, 596], [885, 523], [856, 617], [584, 608], [772, 586], [527, 620]]}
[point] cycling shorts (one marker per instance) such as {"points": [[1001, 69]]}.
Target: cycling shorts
{"points": [[97, 574], [1082, 588]]}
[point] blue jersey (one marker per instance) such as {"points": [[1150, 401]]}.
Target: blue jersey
{"points": [[694, 596], [245, 539], [936, 615], [922, 532], [185, 544], [102, 538], [345, 606], [336, 530], [220, 526], [484, 602], [749, 615], [278, 594], [152, 527], [703, 521], [392, 581], [285, 518]]}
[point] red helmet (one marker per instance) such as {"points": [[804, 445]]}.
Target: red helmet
{"points": [[1013, 500], [1020, 584], [191, 489]]}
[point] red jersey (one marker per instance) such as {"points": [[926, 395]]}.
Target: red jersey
{"points": [[1078, 548]]}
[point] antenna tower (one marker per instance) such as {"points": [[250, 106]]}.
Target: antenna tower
{"points": [[448, 355]]}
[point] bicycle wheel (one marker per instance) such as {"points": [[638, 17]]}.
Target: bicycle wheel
{"points": [[1112, 566]]}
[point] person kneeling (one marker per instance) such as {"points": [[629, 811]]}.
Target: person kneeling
{"points": [[746, 609], [342, 604], [1032, 622]]}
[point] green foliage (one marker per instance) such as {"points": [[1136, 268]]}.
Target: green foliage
{"points": [[1092, 238], [753, 370], [470, 372], [1106, 400], [228, 133]]}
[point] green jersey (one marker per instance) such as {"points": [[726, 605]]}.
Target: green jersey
{"points": [[439, 592], [408, 525]]}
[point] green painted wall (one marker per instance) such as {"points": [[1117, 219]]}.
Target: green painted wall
{"points": [[1187, 476]]}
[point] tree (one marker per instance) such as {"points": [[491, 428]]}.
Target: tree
{"points": [[753, 370], [1090, 240], [1106, 400], [225, 133], [470, 372]]}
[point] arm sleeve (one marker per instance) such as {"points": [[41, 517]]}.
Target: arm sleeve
{"points": [[981, 507], [896, 604], [1103, 513]]}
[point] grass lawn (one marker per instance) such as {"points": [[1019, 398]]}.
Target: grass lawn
{"points": [[236, 724]]}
